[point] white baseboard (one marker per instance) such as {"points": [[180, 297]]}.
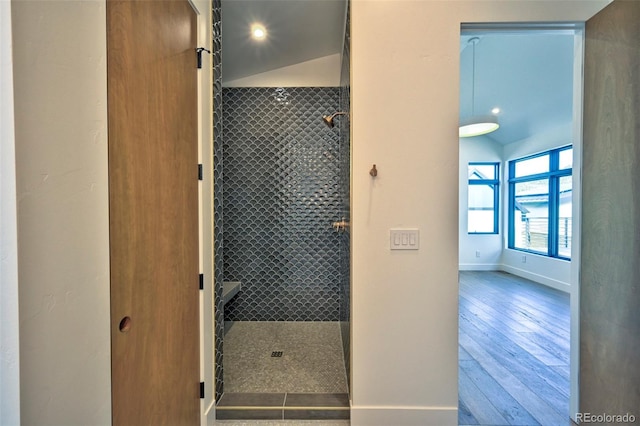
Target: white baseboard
{"points": [[541, 279], [403, 416], [479, 267]]}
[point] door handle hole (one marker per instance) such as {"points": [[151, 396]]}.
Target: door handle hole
{"points": [[125, 324]]}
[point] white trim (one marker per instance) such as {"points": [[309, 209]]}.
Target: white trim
{"points": [[403, 416], [203, 11], [541, 279], [9, 315], [578, 104], [479, 267]]}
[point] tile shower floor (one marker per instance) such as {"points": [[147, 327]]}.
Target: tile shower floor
{"points": [[310, 361]]}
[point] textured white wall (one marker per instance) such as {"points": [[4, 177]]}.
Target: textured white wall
{"points": [[405, 77], [320, 72], [9, 330], [63, 240]]}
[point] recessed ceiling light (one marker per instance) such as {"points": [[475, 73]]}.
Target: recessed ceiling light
{"points": [[258, 32], [496, 110]]}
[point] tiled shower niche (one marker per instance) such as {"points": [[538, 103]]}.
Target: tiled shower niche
{"points": [[281, 195]]}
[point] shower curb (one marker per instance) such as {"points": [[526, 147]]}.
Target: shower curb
{"points": [[283, 406]]}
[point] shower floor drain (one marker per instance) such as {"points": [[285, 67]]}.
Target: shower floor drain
{"points": [[276, 354]]}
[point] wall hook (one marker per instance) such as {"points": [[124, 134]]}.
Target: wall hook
{"points": [[199, 51], [373, 172]]}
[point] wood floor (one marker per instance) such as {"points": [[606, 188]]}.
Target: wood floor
{"points": [[514, 351]]}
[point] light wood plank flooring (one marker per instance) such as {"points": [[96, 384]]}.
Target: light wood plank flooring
{"points": [[514, 351]]}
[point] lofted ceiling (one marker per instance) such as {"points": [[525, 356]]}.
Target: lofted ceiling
{"points": [[528, 74]]}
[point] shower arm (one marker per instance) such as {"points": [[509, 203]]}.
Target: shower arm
{"points": [[328, 119]]}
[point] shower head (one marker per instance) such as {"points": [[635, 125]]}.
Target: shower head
{"points": [[328, 119]]}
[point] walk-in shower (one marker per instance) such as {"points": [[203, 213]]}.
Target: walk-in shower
{"points": [[281, 182], [284, 188]]}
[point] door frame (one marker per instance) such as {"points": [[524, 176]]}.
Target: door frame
{"points": [[576, 227], [578, 103], [203, 9]]}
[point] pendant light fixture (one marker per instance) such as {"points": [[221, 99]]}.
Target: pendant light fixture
{"points": [[476, 125]]}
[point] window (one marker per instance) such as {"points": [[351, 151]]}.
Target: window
{"points": [[483, 198], [540, 204]]}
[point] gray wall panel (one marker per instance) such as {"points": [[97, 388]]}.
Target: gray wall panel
{"points": [[610, 270]]}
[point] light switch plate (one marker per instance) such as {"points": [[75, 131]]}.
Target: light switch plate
{"points": [[404, 239]]}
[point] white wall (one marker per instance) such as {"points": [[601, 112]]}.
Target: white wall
{"points": [[404, 118], [489, 246], [9, 330], [63, 241], [319, 72], [552, 272]]}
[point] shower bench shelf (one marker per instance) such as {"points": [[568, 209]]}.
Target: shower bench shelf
{"points": [[230, 289]]}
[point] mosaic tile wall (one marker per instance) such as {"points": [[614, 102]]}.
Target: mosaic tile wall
{"points": [[281, 195], [217, 194], [345, 194]]}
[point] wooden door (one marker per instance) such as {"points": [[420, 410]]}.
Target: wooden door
{"points": [[153, 207], [610, 270]]}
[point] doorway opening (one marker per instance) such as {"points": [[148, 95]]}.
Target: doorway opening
{"points": [[282, 291], [518, 225]]}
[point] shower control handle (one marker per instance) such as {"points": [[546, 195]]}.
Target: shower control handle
{"points": [[340, 226]]}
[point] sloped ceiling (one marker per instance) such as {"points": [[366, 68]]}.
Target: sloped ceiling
{"points": [[528, 75], [298, 31]]}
